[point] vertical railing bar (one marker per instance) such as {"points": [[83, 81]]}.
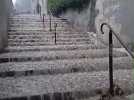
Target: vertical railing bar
{"points": [[55, 26], [111, 83], [50, 22], [111, 62], [111, 33], [43, 18]]}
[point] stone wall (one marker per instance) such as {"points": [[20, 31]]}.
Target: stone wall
{"points": [[23, 6], [5, 9], [43, 4], [29, 6], [81, 20], [118, 13]]}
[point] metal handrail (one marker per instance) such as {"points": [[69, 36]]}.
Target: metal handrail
{"points": [[50, 21], [55, 28], [118, 38], [111, 33]]}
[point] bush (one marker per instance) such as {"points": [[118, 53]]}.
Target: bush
{"points": [[60, 6]]}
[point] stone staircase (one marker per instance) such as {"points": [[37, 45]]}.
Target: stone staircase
{"points": [[32, 67]]}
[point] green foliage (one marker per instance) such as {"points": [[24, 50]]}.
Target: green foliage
{"points": [[60, 6]]}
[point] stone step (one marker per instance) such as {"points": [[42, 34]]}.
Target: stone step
{"points": [[26, 25], [27, 15], [47, 40], [36, 37], [56, 55], [19, 37], [37, 29], [66, 96], [54, 96], [124, 97], [35, 18], [53, 48], [50, 43], [36, 25], [77, 83], [36, 22], [62, 66], [41, 24], [45, 33], [32, 44]]}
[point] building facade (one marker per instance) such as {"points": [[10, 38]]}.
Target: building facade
{"points": [[30, 6]]}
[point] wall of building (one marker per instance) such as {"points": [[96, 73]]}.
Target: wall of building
{"points": [[119, 14], [30, 6], [5, 9], [23, 6], [43, 4], [44, 7], [80, 20]]}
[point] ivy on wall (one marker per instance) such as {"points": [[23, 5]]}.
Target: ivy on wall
{"points": [[60, 6]]}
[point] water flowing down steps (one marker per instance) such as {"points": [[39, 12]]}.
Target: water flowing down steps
{"points": [[61, 66], [90, 83], [32, 67]]}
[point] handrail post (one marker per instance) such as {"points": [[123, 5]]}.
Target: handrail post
{"points": [[111, 62], [50, 23], [111, 33], [43, 18], [111, 83], [55, 26]]}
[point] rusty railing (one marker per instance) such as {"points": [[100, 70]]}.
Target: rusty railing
{"points": [[111, 33]]}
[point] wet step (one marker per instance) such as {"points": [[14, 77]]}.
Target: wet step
{"points": [[13, 26], [35, 18], [117, 97], [54, 47], [43, 37], [30, 40], [55, 55], [91, 83], [62, 66], [36, 21], [49, 39], [25, 25], [35, 29], [31, 43], [45, 33], [28, 32], [51, 96], [14, 37], [36, 25], [73, 40], [13, 23], [50, 43], [31, 16]]}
